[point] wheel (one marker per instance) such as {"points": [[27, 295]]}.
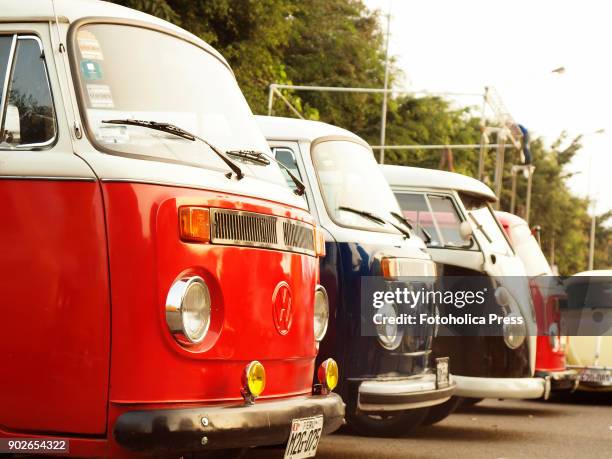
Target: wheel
{"points": [[388, 424], [469, 401], [441, 411]]}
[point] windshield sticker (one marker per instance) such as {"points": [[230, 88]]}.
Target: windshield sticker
{"points": [[91, 70], [113, 134], [89, 46], [100, 96]]}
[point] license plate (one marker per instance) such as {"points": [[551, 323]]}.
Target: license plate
{"points": [[442, 379], [304, 437], [595, 377]]}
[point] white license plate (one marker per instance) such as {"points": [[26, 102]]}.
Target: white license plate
{"points": [[442, 378], [304, 437], [595, 377]]}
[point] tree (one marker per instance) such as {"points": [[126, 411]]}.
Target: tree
{"points": [[340, 43]]}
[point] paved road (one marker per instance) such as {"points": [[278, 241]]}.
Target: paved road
{"points": [[578, 427]]}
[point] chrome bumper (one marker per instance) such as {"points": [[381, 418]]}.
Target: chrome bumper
{"points": [[469, 386], [402, 394]]}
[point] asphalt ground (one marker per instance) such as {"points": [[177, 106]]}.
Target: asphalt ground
{"points": [[578, 426]]}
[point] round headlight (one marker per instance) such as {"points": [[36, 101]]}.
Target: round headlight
{"points": [[514, 334], [389, 333], [321, 313], [188, 309]]}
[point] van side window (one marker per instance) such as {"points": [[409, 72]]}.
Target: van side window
{"points": [[28, 117], [287, 158]]}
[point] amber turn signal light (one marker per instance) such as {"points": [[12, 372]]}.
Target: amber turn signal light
{"points": [[194, 224], [319, 239]]}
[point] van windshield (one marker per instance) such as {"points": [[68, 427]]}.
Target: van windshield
{"points": [[353, 185], [435, 218], [129, 72]]}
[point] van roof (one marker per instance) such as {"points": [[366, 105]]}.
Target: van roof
{"points": [[69, 11], [279, 128], [418, 177]]}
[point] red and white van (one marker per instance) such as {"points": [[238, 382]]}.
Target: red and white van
{"points": [[159, 285], [548, 294]]}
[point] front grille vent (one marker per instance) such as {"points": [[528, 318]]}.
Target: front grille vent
{"points": [[298, 236], [237, 227]]}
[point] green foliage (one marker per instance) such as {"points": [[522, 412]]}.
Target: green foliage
{"points": [[340, 43]]}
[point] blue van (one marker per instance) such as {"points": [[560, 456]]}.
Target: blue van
{"points": [[387, 379]]}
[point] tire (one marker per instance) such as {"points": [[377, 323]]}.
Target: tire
{"points": [[469, 401], [439, 412], [387, 425]]}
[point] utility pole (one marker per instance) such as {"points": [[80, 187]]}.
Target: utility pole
{"points": [[499, 163], [592, 241], [483, 135], [383, 122], [593, 208], [593, 218]]}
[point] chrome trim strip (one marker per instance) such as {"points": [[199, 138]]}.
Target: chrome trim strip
{"points": [[42, 177], [413, 354], [7, 74]]}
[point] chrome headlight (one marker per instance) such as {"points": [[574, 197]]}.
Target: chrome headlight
{"points": [[188, 309], [514, 333], [514, 327], [389, 332], [321, 312]]}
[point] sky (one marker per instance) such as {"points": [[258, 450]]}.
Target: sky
{"points": [[463, 46]]}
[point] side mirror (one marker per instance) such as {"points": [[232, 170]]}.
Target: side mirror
{"points": [[12, 126], [465, 230]]}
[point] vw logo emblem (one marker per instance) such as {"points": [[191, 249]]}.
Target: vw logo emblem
{"points": [[283, 312]]}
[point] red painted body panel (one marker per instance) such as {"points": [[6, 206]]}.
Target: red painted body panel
{"points": [[549, 357], [147, 256], [55, 333], [63, 371]]}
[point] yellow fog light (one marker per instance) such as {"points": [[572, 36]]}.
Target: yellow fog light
{"points": [[253, 381], [328, 374]]}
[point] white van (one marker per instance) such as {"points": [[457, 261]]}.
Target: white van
{"points": [[453, 214]]}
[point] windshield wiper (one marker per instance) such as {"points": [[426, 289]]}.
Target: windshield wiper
{"points": [[402, 219], [363, 213], [179, 132], [262, 158], [375, 218], [250, 155], [428, 236], [409, 224]]}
